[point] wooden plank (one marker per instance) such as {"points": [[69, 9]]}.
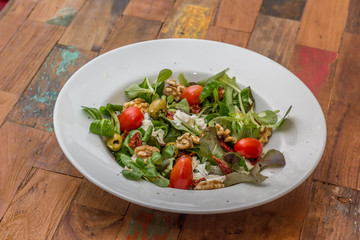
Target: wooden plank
{"points": [[82, 222], [38, 206], [340, 165], [280, 219], [25, 53], [238, 14], [274, 38], [17, 145], [52, 158], [130, 30], [35, 108], [92, 196], [333, 213], [13, 18], [93, 24], [7, 101], [316, 68], [290, 9], [323, 24], [353, 20], [60, 12], [154, 10], [347, 84], [234, 37], [144, 223], [189, 19]]}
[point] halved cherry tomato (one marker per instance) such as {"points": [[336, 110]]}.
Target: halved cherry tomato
{"points": [[181, 175], [192, 94], [130, 119], [249, 147]]}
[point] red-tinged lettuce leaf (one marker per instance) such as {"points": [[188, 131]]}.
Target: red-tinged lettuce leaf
{"points": [[253, 177], [272, 158], [209, 145]]}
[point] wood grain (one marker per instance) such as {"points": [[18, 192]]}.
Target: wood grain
{"points": [[323, 23], [130, 30], [92, 196], [51, 158], [316, 68], [347, 84], [58, 13], [333, 213], [144, 223], [238, 14], [353, 20], [17, 145], [274, 38], [189, 19], [31, 44], [234, 37], [286, 213], [340, 165], [154, 10], [93, 24], [290, 9], [81, 222], [7, 101], [35, 213], [13, 18], [36, 106]]}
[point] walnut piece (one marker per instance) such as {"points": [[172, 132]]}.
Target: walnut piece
{"points": [[145, 151], [207, 185], [139, 103], [186, 141], [175, 89], [264, 135], [224, 134]]}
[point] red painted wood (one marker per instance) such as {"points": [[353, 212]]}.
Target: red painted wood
{"points": [[3, 3]]}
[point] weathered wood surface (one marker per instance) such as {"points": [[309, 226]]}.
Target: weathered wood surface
{"points": [[42, 43]]}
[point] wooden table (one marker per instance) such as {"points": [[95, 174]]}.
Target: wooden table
{"points": [[43, 42]]}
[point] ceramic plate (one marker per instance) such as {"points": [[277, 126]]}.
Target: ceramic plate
{"points": [[103, 80]]}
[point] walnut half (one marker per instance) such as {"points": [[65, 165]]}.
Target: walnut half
{"points": [[225, 134], [186, 141], [264, 135], [145, 151], [139, 103], [207, 185], [175, 89]]}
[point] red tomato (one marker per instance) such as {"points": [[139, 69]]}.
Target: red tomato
{"points": [[192, 94], [130, 119], [181, 175], [249, 147]]}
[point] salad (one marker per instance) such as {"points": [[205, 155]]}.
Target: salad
{"points": [[186, 135]]}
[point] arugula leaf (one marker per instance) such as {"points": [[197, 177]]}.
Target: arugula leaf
{"points": [[93, 112], [209, 88], [224, 110], [216, 76], [209, 145], [247, 99], [102, 127], [225, 80], [253, 177], [228, 99], [183, 80]]}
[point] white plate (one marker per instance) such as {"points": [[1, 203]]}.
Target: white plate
{"points": [[103, 80]]}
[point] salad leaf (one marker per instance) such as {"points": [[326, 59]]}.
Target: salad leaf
{"points": [[216, 76], [236, 161], [272, 158], [147, 134], [161, 181], [93, 112], [168, 151], [225, 80], [114, 107], [150, 170], [247, 100], [253, 177], [157, 158], [102, 127], [135, 91], [209, 145], [210, 86], [183, 80], [127, 140], [159, 83], [278, 124], [111, 113], [224, 110], [228, 99], [266, 117], [172, 135], [131, 175], [183, 105]]}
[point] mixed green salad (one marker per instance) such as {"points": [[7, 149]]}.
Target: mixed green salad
{"points": [[187, 135]]}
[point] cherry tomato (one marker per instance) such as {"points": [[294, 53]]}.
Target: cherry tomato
{"points": [[181, 175], [192, 94], [249, 147], [130, 119]]}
